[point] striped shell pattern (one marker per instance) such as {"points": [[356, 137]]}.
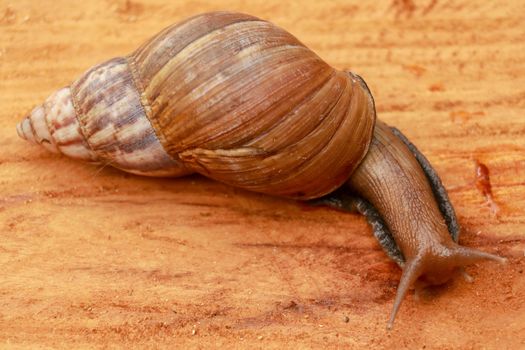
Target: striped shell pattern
{"points": [[226, 95]]}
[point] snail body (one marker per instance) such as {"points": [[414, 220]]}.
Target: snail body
{"points": [[242, 101]]}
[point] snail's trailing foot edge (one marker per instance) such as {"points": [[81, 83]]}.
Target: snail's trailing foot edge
{"points": [[342, 200]]}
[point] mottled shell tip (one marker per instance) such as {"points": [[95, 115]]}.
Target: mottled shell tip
{"points": [[54, 126], [25, 129], [20, 129]]}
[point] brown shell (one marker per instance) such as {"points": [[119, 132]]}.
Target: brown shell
{"points": [[242, 101], [227, 95]]}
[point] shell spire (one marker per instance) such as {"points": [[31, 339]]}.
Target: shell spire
{"points": [[100, 118], [54, 125]]}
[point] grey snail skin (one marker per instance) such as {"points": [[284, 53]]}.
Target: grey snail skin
{"points": [[241, 101]]}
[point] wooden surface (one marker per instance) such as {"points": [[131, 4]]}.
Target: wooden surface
{"points": [[92, 257]]}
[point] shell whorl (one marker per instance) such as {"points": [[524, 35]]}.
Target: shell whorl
{"points": [[114, 122], [100, 118], [244, 102], [54, 126], [232, 97]]}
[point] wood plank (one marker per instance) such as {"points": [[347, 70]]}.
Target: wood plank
{"points": [[93, 257]]}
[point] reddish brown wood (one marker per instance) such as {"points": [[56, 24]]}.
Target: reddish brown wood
{"points": [[92, 257]]}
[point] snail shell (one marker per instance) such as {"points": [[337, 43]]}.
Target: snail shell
{"points": [[240, 100], [227, 95]]}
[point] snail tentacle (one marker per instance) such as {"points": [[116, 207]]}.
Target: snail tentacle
{"points": [[411, 273]]}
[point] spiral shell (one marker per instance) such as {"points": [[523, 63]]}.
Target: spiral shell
{"points": [[227, 95]]}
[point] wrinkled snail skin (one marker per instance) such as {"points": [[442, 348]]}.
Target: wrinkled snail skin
{"points": [[392, 180], [241, 101]]}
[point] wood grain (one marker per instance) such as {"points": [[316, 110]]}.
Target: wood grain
{"points": [[92, 257]]}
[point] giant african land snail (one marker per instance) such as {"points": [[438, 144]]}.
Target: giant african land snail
{"points": [[242, 101]]}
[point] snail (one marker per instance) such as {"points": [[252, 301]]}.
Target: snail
{"points": [[240, 100]]}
